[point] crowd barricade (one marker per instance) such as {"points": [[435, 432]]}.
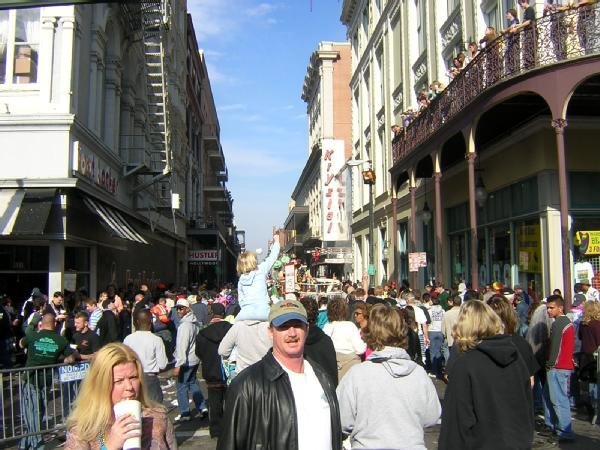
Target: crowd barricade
{"points": [[35, 401]]}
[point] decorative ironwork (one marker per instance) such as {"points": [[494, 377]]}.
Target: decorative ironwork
{"points": [[420, 67], [563, 36], [452, 28]]}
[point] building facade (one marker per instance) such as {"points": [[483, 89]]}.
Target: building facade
{"points": [[93, 132], [213, 241], [317, 225], [502, 154]]}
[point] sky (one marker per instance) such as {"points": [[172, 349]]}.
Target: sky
{"points": [[257, 53]]}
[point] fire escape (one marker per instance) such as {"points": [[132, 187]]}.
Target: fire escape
{"points": [[147, 156]]}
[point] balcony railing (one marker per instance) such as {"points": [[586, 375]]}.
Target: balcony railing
{"points": [[563, 36]]}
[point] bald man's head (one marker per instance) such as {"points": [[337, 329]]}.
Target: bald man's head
{"points": [[48, 322]]}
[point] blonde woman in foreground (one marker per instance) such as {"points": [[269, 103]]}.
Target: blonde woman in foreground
{"points": [[488, 402], [116, 375]]}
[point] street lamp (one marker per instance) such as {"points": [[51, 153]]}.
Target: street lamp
{"points": [[369, 179]]}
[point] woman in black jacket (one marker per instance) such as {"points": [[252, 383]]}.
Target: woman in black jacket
{"points": [[488, 402]]}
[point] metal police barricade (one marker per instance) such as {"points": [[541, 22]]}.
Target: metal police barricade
{"points": [[37, 400]]}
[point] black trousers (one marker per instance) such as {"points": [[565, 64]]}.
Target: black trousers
{"points": [[216, 400]]}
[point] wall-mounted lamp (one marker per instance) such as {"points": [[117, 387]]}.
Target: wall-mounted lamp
{"points": [[426, 213], [480, 192]]}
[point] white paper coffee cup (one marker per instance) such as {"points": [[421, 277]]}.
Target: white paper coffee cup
{"points": [[134, 408]]}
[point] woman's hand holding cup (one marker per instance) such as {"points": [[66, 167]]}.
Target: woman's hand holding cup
{"points": [[125, 427]]}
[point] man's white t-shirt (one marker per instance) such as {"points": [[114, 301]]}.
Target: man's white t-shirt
{"points": [[312, 409], [420, 317]]}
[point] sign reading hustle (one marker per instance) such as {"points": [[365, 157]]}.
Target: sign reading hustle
{"points": [[333, 188], [95, 169], [204, 257]]}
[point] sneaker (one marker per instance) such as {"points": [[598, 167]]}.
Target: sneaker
{"points": [[203, 413], [182, 418]]}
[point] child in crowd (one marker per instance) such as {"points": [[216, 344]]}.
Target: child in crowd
{"points": [[252, 285]]}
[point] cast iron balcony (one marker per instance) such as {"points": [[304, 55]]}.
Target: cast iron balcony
{"points": [[553, 39]]}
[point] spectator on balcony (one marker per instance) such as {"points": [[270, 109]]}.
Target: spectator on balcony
{"points": [[511, 54], [526, 28], [435, 89], [396, 130], [472, 51], [423, 99], [455, 68]]}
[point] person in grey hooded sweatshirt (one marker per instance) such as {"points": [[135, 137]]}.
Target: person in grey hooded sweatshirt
{"points": [[186, 363], [386, 401]]}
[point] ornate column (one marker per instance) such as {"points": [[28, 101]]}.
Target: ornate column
{"points": [[96, 81], [112, 101], [413, 226], [439, 271], [471, 156], [559, 126], [67, 26], [394, 275], [46, 59], [125, 139]]}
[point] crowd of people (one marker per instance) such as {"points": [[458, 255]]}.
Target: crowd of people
{"points": [[306, 371]]}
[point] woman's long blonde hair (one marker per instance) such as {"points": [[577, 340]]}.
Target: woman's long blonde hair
{"points": [[93, 409], [476, 321], [591, 311]]}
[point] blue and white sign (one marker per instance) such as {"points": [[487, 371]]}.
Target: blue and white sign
{"points": [[73, 372]]}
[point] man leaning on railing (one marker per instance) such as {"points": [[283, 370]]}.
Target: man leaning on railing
{"points": [[44, 347]]}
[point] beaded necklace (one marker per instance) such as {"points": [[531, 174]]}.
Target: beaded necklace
{"points": [[102, 441]]}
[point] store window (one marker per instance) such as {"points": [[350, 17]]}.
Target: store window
{"points": [[19, 45], [500, 254], [458, 258], [583, 189], [402, 251], [529, 254], [77, 268], [586, 251]]}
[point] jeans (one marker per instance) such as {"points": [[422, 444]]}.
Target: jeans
{"points": [[595, 402], [557, 408], [187, 384], [33, 408], [153, 388], [436, 340]]}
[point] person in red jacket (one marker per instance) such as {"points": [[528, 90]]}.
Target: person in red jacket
{"points": [[559, 366]]}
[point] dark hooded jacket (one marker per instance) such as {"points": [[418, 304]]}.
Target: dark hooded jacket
{"points": [[319, 348], [207, 345], [488, 402]]}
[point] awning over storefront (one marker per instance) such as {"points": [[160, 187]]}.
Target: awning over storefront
{"points": [[113, 221], [24, 212]]}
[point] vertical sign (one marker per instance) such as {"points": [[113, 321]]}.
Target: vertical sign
{"points": [[333, 189], [290, 277]]}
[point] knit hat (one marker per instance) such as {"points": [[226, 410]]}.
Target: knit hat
{"points": [[183, 302]]}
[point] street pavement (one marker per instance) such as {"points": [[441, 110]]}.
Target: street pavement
{"points": [[194, 434]]}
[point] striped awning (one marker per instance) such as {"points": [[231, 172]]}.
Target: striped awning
{"points": [[113, 221], [24, 212], [10, 203]]}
